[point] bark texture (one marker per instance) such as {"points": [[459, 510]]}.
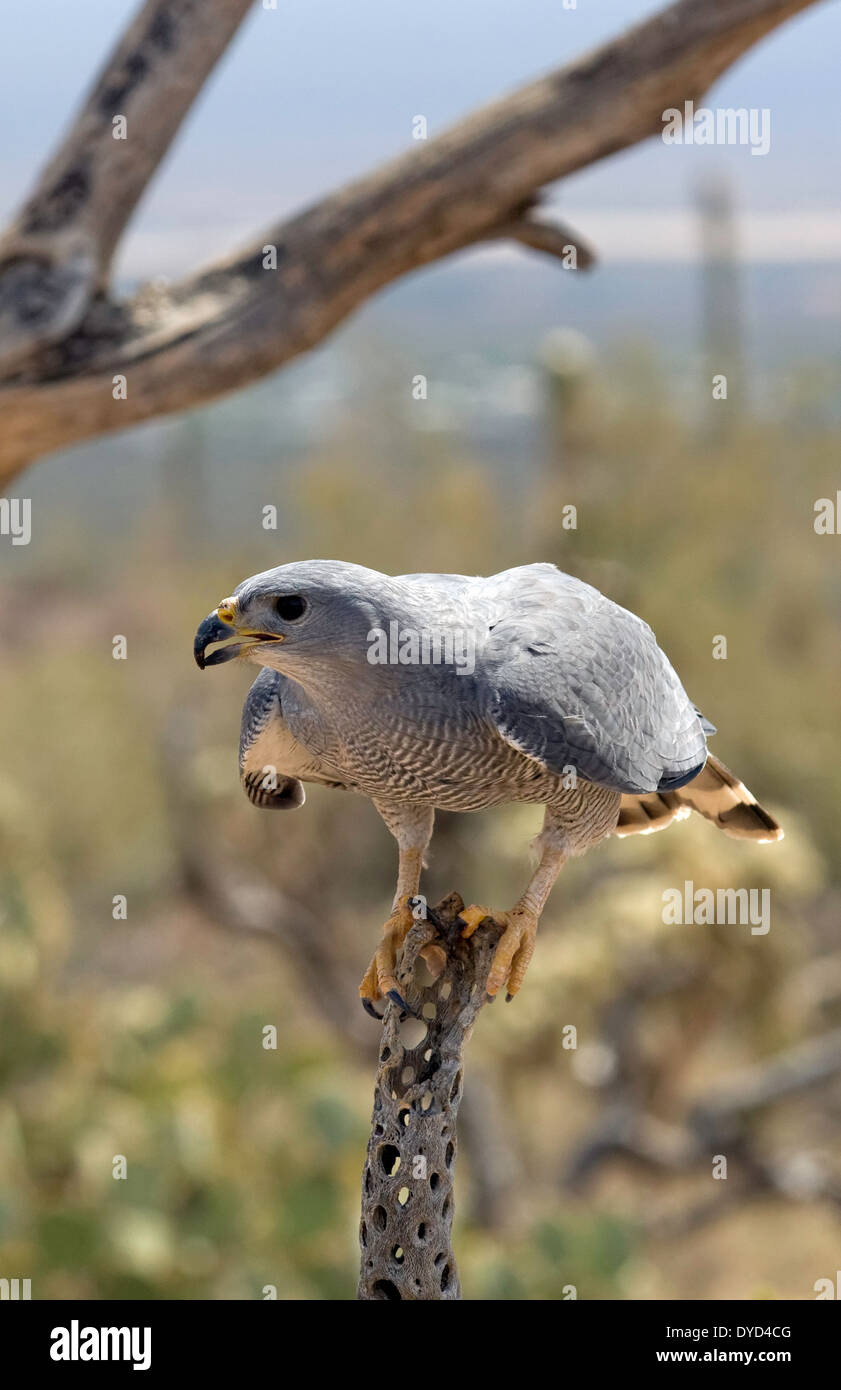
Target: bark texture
{"points": [[407, 1184], [64, 337]]}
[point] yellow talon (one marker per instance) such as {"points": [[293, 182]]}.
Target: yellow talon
{"points": [[378, 980], [472, 916], [514, 949]]}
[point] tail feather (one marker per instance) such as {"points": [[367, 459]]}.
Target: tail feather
{"points": [[642, 815], [715, 794]]}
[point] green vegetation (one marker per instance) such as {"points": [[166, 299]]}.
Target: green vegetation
{"points": [[144, 1037]]}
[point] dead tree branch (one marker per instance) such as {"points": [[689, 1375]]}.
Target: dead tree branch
{"points": [[57, 253], [718, 1122], [63, 338], [552, 238]]}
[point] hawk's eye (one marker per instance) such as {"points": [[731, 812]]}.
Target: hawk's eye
{"points": [[290, 606]]}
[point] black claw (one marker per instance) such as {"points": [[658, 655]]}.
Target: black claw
{"points": [[489, 998], [508, 998], [397, 998], [432, 916], [369, 1008]]}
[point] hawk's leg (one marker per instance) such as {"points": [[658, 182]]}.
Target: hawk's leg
{"points": [[516, 945], [411, 826]]}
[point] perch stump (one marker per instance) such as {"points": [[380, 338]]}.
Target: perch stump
{"points": [[407, 1184]]}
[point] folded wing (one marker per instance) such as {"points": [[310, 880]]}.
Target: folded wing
{"points": [[573, 680], [262, 745]]}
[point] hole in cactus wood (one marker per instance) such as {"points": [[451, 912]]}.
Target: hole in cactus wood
{"points": [[384, 1289], [389, 1157], [412, 1033]]}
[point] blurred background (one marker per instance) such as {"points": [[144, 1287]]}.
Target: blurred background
{"points": [[588, 1166]]}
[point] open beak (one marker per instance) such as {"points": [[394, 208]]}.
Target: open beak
{"points": [[214, 629]]}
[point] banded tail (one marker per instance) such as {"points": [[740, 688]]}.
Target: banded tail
{"points": [[715, 794]]}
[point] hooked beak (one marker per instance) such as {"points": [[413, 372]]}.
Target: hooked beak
{"points": [[218, 626], [213, 630]]}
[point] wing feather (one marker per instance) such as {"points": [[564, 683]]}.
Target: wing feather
{"points": [[573, 680], [262, 735]]}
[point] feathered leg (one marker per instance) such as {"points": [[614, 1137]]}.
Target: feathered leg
{"points": [[411, 825], [516, 945]]}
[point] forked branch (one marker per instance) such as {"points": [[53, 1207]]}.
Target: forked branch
{"points": [[63, 338]]}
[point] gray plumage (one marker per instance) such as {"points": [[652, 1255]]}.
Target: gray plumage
{"points": [[563, 678], [525, 686], [264, 745]]}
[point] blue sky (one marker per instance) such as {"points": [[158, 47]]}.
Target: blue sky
{"points": [[318, 91]]}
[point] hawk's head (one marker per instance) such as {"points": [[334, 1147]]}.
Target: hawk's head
{"points": [[295, 617]]}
